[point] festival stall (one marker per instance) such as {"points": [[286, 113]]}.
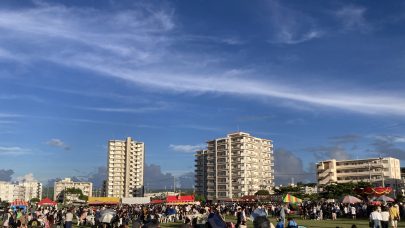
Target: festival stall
{"points": [[179, 200], [378, 191], [47, 202], [19, 204], [94, 201], [291, 199], [135, 200], [374, 191]]}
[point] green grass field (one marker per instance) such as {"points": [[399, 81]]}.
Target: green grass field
{"points": [[341, 223]]}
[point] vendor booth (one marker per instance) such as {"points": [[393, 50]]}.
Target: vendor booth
{"points": [[19, 204], [94, 201], [47, 202]]}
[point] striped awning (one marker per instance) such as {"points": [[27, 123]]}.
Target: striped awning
{"points": [[291, 199], [19, 202]]}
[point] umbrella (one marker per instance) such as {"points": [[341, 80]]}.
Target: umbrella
{"points": [[385, 199], [291, 199], [351, 199], [107, 215]]}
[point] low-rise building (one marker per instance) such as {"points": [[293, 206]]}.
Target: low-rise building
{"points": [[59, 186], [309, 190], [366, 170]]}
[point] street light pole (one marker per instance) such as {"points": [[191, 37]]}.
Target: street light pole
{"points": [[382, 172]]}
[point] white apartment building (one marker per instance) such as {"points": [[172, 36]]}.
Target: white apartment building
{"points": [[32, 189], [236, 165], [59, 186], [22, 191], [366, 170], [7, 191], [126, 160]]}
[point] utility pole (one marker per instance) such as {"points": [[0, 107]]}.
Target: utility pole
{"points": [[382, 172], [369, 170]]}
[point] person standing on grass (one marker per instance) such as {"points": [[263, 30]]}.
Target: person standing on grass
{"points": [[385, 217], [68, 219], [353, 211], [282, 213], [375, 218], [394, 215]]}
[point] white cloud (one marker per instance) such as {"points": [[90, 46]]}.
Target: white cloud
{"points": [[353, 18], [391, 138], [139, 109], [58, 143], [27, 178], [13, 150], [290, 26], [136, 46], [186, 148]]}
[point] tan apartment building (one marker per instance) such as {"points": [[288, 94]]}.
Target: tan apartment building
{"points": [[366, 170], [126, 160], [59, 186], [236, 165]]}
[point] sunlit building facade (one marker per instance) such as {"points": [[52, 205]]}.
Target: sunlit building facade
{"points": [[125, 176], [235, 166], [367, 170]]}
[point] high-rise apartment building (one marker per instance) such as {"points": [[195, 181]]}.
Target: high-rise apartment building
{"points": [[201, 172], [236, 165], [59, 186], [366, 170], [126, 160]]}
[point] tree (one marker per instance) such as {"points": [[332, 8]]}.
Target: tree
{"points": [[262, 193], [75, 191], [200, 198], [34, 200]]}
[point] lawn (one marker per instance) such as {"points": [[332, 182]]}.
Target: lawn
{"points": [[341, 223]]}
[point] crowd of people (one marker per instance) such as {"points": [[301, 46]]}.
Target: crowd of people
{"points": [[205, 215]]}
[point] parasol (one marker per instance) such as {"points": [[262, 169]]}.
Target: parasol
{"points": [[385, 199], [291, 199], [107, 215], [351, 199]]}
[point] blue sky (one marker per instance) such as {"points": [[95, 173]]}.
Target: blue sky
{"points": [[322, 79]]}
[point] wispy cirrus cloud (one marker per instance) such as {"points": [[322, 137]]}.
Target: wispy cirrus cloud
{"points": [[291, 26], [141, 109], [353, 18], [186, 148], [13, 151], [125, 47]]}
